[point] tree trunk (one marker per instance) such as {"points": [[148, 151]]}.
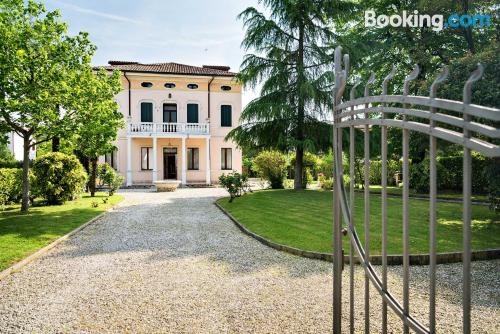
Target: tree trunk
{"points": [[299, 148], [299, 168], [56, 144], [25, 203], [468, 30], [93, 176]]}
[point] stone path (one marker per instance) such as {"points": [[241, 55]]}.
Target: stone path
{"points": [[173, 263]]}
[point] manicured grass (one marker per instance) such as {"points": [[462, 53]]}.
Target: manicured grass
{"points": [[303, 219], [441, 194], [24, 234]]}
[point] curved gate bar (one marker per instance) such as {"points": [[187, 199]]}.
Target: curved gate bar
{"points": [[345, 116], [483, 129], [460, 107], [487, 148]]}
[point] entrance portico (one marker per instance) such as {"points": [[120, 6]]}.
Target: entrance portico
{"points": [[161, 152]]}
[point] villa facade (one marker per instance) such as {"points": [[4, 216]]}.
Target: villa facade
{"points": [[177, 117]]}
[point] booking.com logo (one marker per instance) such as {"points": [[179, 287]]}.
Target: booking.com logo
{"points": [[436, 22]]}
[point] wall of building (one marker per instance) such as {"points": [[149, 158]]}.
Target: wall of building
{"points": [[181, 96]]}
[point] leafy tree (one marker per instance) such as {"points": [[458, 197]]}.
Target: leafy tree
{"points": [[39, 75], [292, 61], [102, 120], [378, 49]]}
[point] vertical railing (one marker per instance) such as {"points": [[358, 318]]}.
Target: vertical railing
{"points": [[384, 202], [352, 154], [371, 80], [406, 199], [467, 192], [340, 80], [432, 205]]}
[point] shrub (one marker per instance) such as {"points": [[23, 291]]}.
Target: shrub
{"points": [[271, 165], [449, 174], [288, 183], [325, 165], [58, 177], [235, 184], [491, 172], [326, 183], [109, 177], [10, 185]]}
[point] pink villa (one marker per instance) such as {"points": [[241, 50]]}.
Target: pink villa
{"points": [[177, 117]]}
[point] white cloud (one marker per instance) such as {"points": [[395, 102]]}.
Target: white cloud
{"points": [[97, 13]]}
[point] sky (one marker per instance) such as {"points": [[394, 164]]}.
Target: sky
{"points": [[193, 32]]}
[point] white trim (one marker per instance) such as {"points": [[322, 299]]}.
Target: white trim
{"points": [[155, 159], [207, 160], [183, 167], [129, 161]]}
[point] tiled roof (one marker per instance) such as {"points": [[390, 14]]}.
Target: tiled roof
{"points": [[168, 68]]}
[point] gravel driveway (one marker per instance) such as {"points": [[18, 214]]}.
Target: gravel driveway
{"points": [[173, 263]]}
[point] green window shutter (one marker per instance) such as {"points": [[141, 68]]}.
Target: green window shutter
{"points": [[225, 115], [192, 113], [146, 112]]}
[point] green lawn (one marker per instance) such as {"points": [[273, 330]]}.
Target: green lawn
{"points": [[303, 219], [23, 234], [441, 194]]}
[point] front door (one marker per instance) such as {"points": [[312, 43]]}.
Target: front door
{"points": [[170, 163]]}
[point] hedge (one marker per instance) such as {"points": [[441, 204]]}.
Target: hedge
{"points": [[10, 185]]}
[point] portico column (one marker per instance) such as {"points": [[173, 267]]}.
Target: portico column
{"points": [[129, 161], [207, 163], [183, 171], [155, 161]]}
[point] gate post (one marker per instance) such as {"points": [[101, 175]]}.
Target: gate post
{"points": [[338, 258]]}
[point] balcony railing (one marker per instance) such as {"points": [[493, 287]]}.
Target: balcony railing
{"points": [[168, 128]]}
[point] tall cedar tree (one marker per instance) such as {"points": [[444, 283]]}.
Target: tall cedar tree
{"points": [[39, 75], [292, 62]]}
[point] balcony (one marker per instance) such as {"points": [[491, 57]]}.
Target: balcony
{"points": [[167, 129]]}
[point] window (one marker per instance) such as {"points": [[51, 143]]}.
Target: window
{"points": [[226, 158], [169, 85], [225, 115], [193, 158], [192, 113], [146, 112], [226, 88], [147, 84], [169, 113], [146, 158], [192, 86], [110, 159]]}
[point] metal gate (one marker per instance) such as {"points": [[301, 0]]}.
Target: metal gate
{"points": [[461, 123]]}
